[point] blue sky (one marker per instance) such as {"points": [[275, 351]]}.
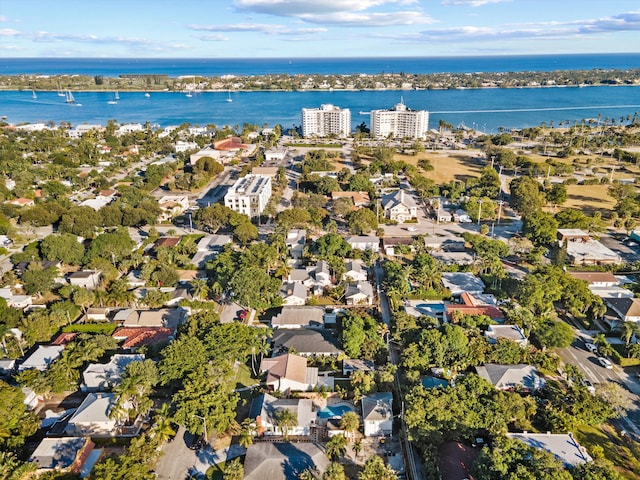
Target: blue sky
{"points": [[315, 28]]}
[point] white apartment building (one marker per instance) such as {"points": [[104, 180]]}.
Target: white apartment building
{"points": [[399, 122], [249, 195], [326, 120]]}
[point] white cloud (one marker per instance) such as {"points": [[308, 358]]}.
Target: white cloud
{"points": [[213, 38], [272, 29], [629, 21], [471, 3], [9, 32], [339, 12]]}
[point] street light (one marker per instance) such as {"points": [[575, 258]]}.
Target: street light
{"points": [[204, 421], [479, 210]]}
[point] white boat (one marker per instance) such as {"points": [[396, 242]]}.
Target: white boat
{"points": [[147, 94], [68, 97], [115, 100], [33, 94], [117, 96], [60, 92], [189, 94]]}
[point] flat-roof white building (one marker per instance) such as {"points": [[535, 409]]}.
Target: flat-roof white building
{"points": [[326, 120], [249, 195], [399, 122]]}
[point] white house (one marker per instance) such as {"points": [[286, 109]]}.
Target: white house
{"points": [[360, 293], [92, 418], [42, 358], [89, 279], [289, 373], [299, 317], [129, 128], [364, 242], [264, 410], [399, 206], [172, 206], [275, 154], [103, 376], [377, 414], [507, 332], [627, 309], [355, 271], [563, 446], [294, 293], [511, 377], [182, 146]]}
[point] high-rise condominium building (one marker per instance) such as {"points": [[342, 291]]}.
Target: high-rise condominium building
{"points": [[249, 195], [399, 122], [326, 120]]}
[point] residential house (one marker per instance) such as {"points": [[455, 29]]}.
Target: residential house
{"points": [[88, 279], [15, 301], [21, 202], [299, 317], [473, 305], [93, 416], [390, 244], [511, 377], [289, 372], [136, 337], [350, 365], [283, 461], [42, 358], [399, 206], [66, 454], [103, 376], [295, 241], [7, 367], [563, 446], [591, 252], [627, 309], [264, 412], [305, 342], [596, 279], [355, 271], [377, 414], [360, 293], [182, 146], [207, 151], [572, 234], [461, 282], [276, 154], [507, 332], [364, 242], [159, 318], [294, 293], [172, 206]]}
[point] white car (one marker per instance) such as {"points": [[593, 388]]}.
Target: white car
{"points": [[589, 386], [592, 347], [412, 229], [605, 363]]}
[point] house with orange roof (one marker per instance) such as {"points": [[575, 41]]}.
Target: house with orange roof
{"points": [[21, 202]]}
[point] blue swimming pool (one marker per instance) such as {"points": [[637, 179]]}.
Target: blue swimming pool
{"points": [[431, 307], [333, 411]]}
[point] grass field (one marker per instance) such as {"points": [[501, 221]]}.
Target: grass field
{"points": [[623, 452]]}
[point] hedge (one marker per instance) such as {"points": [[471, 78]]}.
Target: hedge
{"points": [[93, 327]]}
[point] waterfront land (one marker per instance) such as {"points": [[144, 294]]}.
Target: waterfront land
{"points": [[309, 82]]}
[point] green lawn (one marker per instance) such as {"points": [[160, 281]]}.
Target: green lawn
{"points": [[243, 377], [623, 452]]}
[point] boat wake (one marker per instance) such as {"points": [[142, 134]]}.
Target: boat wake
{"points": [[542, 109]]}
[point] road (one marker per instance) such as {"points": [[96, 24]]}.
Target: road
{"points": [[177, 461], [415, 466], [576, 354]]}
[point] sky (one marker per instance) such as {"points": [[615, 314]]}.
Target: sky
{"points": [[315, 28]]}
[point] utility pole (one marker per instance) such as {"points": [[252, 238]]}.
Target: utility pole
{"points": [[500, 202]]}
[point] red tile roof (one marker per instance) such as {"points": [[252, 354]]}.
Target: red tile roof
{"points": [[489, 310], [229, 143], [138, 336], [64, 338]]}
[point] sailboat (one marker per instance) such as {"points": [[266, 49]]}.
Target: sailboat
{"points": [[115, 100], [229, 99], [68, 98], [60, 92], [147, 94], [33, 94]]}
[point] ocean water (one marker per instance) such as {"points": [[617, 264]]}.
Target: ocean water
{"points": [[483, 109], [174, 67]]}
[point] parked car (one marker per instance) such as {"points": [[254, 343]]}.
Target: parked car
{"points": [[590, 388], [195, 442], [592, 347], [605, 363], [243, 314]]}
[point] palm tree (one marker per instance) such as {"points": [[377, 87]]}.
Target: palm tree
{"points": [[336, 447], [247, 432], [233, 470], [357, 447], [200, 288], [629, 329], [600, 339], [606, 349], [162, 430], [334, 471], [286, 420], [260, 346], [350, 423], [307, 474]]}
